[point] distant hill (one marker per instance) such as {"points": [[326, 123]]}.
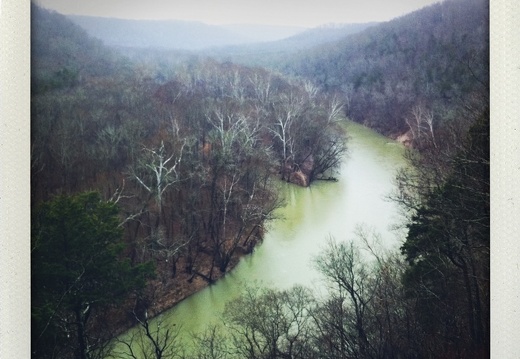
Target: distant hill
{"points": [[175, 34], [62, 52], [243, 41], [324, 34], [264, 33], [270, 53], [436, 57]]}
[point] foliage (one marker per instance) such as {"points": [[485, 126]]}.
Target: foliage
{"points": [[62, 53], [448, 247], [76, 271], [437, 56], [188, 157], [188, 150]]}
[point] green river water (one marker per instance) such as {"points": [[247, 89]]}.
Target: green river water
{"points": [[309, 217]]}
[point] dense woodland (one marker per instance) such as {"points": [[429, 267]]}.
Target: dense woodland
{"points": [[434, 59], [153, 171]]}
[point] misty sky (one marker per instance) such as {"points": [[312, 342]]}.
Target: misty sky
{"points": [[308, 13]]}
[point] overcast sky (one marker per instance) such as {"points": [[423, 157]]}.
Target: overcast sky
{"points": [[308, 13]]}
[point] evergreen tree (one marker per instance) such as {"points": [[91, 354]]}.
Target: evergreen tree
{"points": [[76, 270], [448, 250]]}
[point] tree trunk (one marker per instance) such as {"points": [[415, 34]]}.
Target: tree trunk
{"points": [[81, 352]]}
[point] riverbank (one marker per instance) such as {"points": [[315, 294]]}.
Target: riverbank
{"points": [[163, 294], [167, 293], [309, 217]]}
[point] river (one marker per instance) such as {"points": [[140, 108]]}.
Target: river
{"points": [[309, 217]]}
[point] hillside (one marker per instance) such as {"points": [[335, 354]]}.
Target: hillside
{"points": [[63, 54], [433, 57], [154, 170], [274, 52], [182, 170], [323, 34], [176, 34]]}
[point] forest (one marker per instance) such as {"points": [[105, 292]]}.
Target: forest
{"points": [[153, 171]]}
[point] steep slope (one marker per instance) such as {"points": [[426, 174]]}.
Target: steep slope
{"points": [[324, 34], [189, 160], [434, 58], [62, 53]]}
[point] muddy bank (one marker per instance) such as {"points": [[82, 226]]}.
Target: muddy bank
{"points": [[165, 291]]}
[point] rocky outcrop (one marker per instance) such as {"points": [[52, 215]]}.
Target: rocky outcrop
{"points": [[405, 138], [299, 178]]}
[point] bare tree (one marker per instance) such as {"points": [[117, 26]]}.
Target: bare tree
{"points": [[150, 339], [240, 192], [266, 323], [310, 89], [212, 344], [344, 269], [334, 110], [421, 125], [287, 112], [160, 171], [262, 86]]}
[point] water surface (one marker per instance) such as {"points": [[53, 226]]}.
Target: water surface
{"points": [[309, 217]]}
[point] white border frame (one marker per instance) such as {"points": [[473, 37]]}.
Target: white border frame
{"points": [[15, 178]]}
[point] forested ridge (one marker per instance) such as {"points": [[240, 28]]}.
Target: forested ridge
{"points": [[152, 174], [434, 58], [166, 34], [189, 161]]}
